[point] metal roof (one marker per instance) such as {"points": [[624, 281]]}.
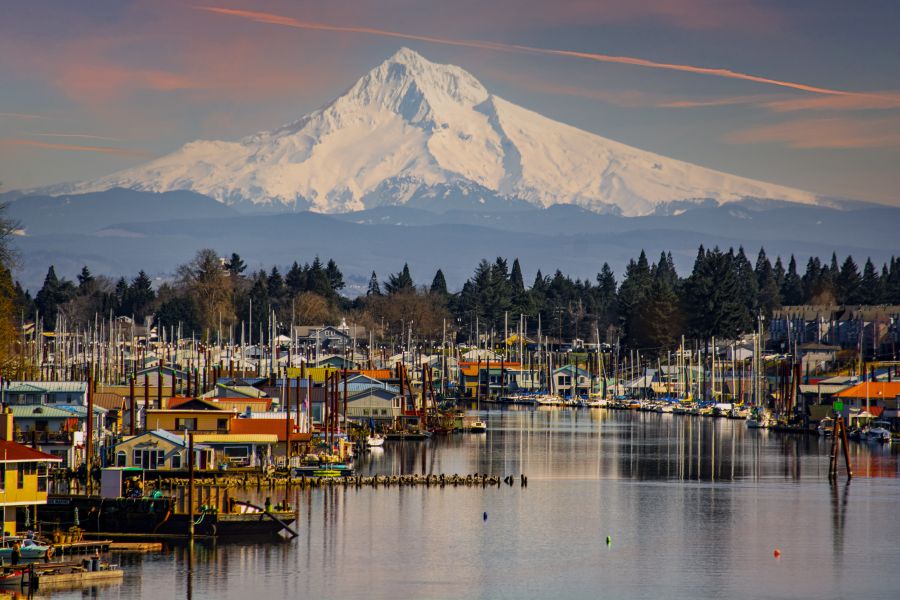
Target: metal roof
{"points": [[239, 438], [47, 386]]}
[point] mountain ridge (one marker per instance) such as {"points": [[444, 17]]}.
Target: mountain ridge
{"points": [[412, 131]]}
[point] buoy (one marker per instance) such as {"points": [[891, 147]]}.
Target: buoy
{"points": [[777, 553], [608, 540], [485, 516]]}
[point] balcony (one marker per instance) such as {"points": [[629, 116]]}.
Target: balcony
{"points": [[43, 438]]}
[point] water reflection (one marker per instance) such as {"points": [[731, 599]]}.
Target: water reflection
{"points": [[600, 444]]}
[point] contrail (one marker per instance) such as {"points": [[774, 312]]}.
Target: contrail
{"points": [[273, 19]]}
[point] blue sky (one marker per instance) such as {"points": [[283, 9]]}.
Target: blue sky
{"points": [[90, 88]]}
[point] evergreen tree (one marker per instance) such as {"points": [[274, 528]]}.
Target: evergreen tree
{"points": [[632, 293], [275, 285], [295, 280], [85, 279], [235, 265], [516, 281], [139, 296], [400, 282], [335, 277], [54, 293], [768, 294], [892, 285], [374, 289], [792, 289], [317, 280], [870, 285], [439, 284], [848, 283], [747, 289]]}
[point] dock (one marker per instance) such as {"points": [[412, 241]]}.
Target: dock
{"points": [[77, 578], [81, 547], [136, 547]]}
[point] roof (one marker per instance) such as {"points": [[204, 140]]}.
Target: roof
{"points": [[13, 452], [185, 403], [79, 387], [173, 438], [109, 401], [39, 411], [241, 438], [872, 389], [266, 426]]}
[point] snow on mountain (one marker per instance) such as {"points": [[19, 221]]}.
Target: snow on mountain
{"points": [[412, 131]]}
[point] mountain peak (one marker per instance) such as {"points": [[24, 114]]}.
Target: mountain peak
{"points": [[414, 87]]}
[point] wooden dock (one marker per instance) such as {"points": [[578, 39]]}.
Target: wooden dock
{"points": [[82, 547], [135, 547], [77, 578]]}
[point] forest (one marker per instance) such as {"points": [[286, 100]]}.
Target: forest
{"points": [[648, 307]]}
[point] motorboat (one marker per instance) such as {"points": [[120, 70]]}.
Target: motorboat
{"points": [[879, 431], [478, 426], [29, 549], [825, 427], [375, 440]]}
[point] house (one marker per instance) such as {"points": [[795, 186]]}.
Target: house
{"points": [[335, 338], [44, 392], [57, 430], [375, 404], [116, 407], [571, 381], [236, 405], [222, 390], [160, 449], [23, 475], [240, 449], [274, 426], [191, 417]]}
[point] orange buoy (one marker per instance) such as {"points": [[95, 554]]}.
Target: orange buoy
{"points": [[777, 553]]}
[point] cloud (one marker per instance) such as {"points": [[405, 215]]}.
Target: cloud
{"points": [[827, 133], [286, 21], [86, 136], [24, 116], [74, 147]]}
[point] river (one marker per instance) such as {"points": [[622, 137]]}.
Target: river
{"points": [[692, 508]]}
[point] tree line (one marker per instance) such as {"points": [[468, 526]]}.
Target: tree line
{"points": [[650, 308]]}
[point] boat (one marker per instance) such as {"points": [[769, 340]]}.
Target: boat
{"points": [[879, 431], [164, 516], [29, 549], [323, 470], [478, 426], [375, 440], [826, 427], [13, 577], [759, 421], [407, 435]]}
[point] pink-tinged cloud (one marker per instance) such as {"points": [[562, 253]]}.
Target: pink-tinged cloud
{"points": [[24, 116], [829, 133], [74, 147], [86, 136], [286, 21]]}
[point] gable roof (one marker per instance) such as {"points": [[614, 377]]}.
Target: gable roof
{"points": [[874, 389], [45, 387], [109, 401], [172, 438], [13, 452], [40, 411], [185, 403]]}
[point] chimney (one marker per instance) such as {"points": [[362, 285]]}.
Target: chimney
{"points": [[7, 430]]}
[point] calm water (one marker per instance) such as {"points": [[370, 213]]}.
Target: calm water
{"points": [[694, 508]]}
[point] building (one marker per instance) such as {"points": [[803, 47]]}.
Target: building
{"points": [[377, 405], [333, 338], [876, 397], [44, 392], [23, 475], [240, 449], [159, 449], [196, 415]]}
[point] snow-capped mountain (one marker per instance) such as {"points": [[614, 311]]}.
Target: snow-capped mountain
{"points": [[411, 132]]}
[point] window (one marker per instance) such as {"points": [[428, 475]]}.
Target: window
{"points": [[176, 461], [42, 477], [20, 482], [136, 458], [121, 458], [384, 411], [189, 424], [222, 425], [365, 412]]}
